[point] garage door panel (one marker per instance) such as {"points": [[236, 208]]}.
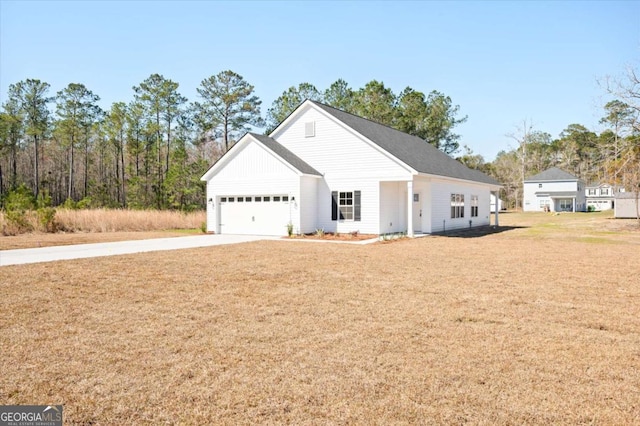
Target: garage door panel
{"points": [[254, 217]]}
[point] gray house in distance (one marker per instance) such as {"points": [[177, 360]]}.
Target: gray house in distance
{"points": [[553, 190]]}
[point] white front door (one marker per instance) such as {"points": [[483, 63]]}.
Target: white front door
{"points": [[417, 212]]}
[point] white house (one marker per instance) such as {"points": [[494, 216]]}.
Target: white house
{"points": [[553, 190], [323, 168], [599, 197]]}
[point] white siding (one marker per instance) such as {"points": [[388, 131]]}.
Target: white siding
{"points": [[369, 223], [531, 201], [347, 162], [391, 207], [342, 154], [252, 171], [441, 191], [307, 200]]}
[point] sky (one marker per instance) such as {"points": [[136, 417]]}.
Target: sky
{"points": [[502, 62]]}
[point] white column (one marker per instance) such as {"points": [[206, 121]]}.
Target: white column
{"points": [[410, 208], [497, 208]]}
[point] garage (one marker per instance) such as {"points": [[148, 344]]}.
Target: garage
{"points": [[265, 214]]}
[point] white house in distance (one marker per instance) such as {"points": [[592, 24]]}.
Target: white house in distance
{"points": [[323, 168], [600, 197], [553, 190]]}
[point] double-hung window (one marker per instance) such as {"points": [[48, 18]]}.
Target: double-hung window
{"points": [[457, 206], [345, 205], [474, 206]]}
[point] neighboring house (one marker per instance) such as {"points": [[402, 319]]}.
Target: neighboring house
{"points": [[493, 203], [553, 190], [626, 205], [323, 168], [599, 196]]}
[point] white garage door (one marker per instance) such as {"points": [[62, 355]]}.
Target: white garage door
{"points": [[255, 214]]}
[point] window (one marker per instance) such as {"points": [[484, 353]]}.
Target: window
{"points": [[247, 199], [539, 185], [457, 206], [285, 198], [257, 199], [591, 192], [604, 191], [223, 199], [566, 205], [266, 199], [240, 199], [474, 206], [345, 205], [416, 198], [231, 199], [276, 199]]}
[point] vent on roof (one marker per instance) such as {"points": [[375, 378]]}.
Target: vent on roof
{"points": [[309, 129]]}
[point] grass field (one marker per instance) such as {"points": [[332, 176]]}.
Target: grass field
{"points": [[104, 221], [539, 324]]}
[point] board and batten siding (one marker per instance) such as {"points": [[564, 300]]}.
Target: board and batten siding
{"points": [[253, 171], [441, 191]]}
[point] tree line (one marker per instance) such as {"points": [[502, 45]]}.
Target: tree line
{"points": [[611, 156], [151, 151]]}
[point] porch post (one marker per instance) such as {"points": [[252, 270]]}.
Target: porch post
{"points": [[497, 208], [410, 208]]}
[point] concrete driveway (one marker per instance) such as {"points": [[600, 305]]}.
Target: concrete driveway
{"points": [[49, 254]]}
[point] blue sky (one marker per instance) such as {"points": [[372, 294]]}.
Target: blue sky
{"points": [[502, 62]]}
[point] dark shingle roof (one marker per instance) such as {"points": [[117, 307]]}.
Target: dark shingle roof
{"points": [[286, 155], [553, 173], [413, 151]]}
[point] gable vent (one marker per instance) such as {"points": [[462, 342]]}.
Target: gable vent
{"points": [[309, 129]]}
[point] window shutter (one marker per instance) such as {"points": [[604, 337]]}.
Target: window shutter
{"points": [[334, 205], [356, 206]]}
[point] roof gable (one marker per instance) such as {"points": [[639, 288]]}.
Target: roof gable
{"points": [[553, 173], [411, 150], [270, 144]]}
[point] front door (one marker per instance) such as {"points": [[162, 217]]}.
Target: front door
{"points": [[417, 212]]}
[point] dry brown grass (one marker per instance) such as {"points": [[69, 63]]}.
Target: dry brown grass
{"points": [[37, 239], [510, 328], [113, 220]]}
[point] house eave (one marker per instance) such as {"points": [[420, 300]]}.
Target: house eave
{"points": [[492, 186]]}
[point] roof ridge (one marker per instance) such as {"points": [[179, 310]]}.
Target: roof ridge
{"points": [[365, 119]]}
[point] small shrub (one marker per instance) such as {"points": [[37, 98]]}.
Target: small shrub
{"points": [[591, 208], [203, 227], [17, 204], [85, 203], [69, 204], [290, 229], [47, 218], [320, 232]]}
